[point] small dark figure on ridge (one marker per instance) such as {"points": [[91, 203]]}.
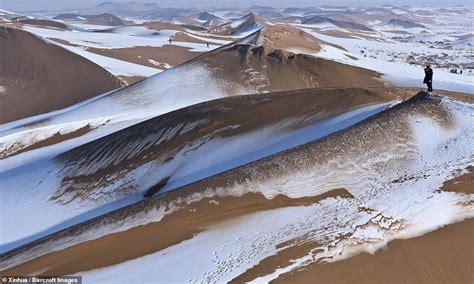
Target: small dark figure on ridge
{"points": [[428, 78]]}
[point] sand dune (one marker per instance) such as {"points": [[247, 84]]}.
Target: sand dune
{"points": [[171, 230], [244, 150], [40, 77], [385, 163], [171, 150], [261, 62], [275, 59], [439, 256], [179, 134]]}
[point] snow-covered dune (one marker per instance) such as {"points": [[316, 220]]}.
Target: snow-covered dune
{"points": [[391, 167], [263, 63], [244, 145], [382, 57], [170, 151]]}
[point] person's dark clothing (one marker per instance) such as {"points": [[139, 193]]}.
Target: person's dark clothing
{"points": [[428, 78], [428, 75], [430, 86]]}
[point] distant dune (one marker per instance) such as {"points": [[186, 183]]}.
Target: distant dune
{"points": [[405, 23], [44, 23], [106, 19], [40, 77], [337, 23]]}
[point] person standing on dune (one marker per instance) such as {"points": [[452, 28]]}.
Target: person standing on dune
{"points": [[428, 78]]}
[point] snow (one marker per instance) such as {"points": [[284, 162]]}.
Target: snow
{"points": [[398, 210], [115, 66], [123, 37], [399, 11], [223, 154], [104, 40], [86, 27], [156, 95], [393, 27], [401, 74], [436, 37], [219, 253], [465, 41], [7, 12], [212, 157], [210, 40], [234, 24], [3, 89], [164, 65], [140, 31]]}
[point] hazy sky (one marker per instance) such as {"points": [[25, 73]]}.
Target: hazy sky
{"points": [[29, 5]]}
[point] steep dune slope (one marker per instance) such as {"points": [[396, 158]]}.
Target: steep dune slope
{"points": [[41, 77], [392, 177], [172, 150], [261, 62]]}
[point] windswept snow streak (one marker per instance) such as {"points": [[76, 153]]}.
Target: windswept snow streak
{"points": [[392, 164]]}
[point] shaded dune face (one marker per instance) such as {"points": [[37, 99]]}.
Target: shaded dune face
{"points": [[41, 77], [387, 165], [157, 150]]}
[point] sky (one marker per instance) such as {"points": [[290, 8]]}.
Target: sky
{"points": [[32, 5]]}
